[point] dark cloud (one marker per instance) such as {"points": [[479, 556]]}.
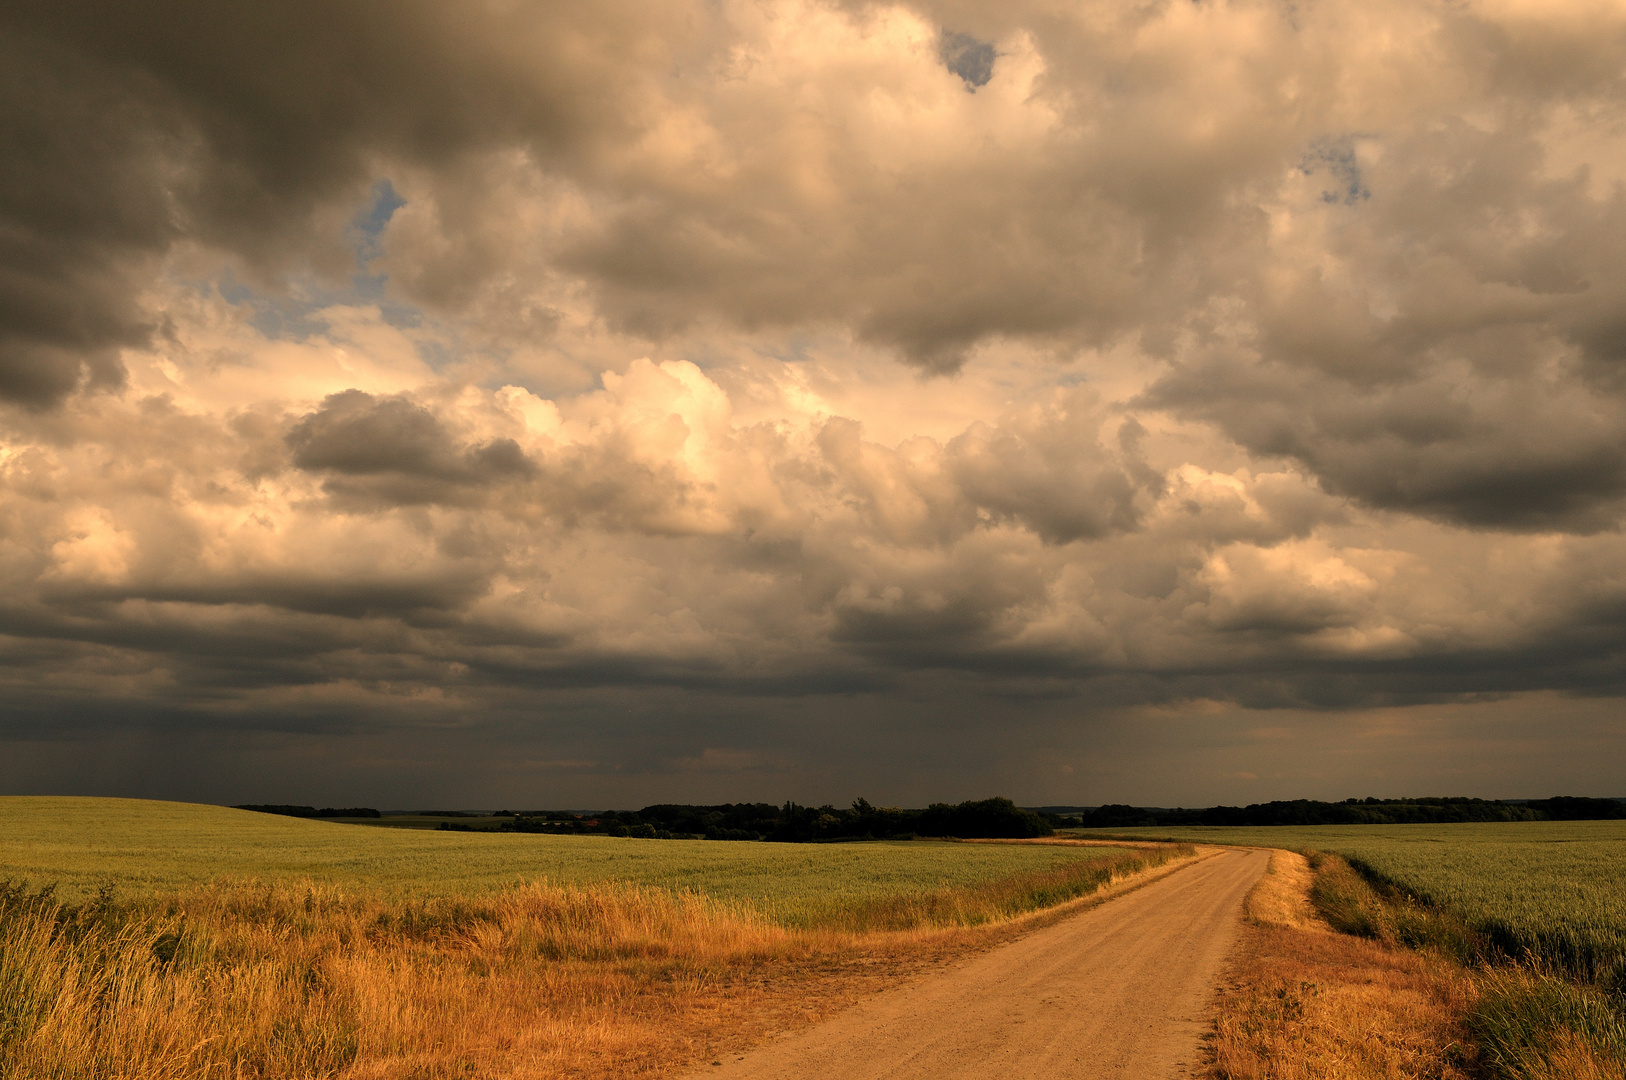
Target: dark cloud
{"points": [[75, 222], [1046, 477], [126, 130], [1507, 455], [970, 59], [394, 452]]}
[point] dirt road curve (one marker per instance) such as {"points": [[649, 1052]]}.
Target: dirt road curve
{"points": [[1119, 991]]}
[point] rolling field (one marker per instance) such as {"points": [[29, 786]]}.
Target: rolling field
{"points": [[245, 945], [1553, 888], [147, 848]]}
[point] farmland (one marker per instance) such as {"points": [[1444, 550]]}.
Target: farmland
{"points": [[1552, 888], [147, 848], [245, 945]]}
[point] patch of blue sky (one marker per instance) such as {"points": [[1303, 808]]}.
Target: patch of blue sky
{"points": [[289, 316], [369, 225], [294, 312], [1336, 156], [794, 348]]}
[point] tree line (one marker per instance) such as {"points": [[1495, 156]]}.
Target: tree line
{"points": [[309, 811], [1357, 812], [996, 818]]}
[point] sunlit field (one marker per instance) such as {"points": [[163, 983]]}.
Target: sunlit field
{"points": [[1553, 889], [209, 943], [145, 848]]}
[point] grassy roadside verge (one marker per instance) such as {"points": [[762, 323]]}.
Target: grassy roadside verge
{"points": [[301, 979], [1346, 977]]}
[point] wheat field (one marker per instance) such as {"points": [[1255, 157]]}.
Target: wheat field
{"points": [[290, 977], [146, 848]]}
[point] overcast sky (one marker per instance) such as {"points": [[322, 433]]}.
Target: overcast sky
{"points": [[535, 404]]}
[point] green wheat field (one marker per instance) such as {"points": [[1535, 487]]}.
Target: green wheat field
{"points": [[146, 848]]}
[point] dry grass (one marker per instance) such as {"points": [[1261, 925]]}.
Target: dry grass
{"points": [[1302, 1004], [1282, 896], [301, 980]]}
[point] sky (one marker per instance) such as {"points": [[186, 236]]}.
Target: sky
{"points": [[521, 404]]}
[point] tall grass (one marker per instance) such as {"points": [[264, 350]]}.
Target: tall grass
{"points": [[1354, 904], [301, 979], [1533, 1025]]}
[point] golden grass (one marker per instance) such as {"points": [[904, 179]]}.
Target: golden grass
{"points": [[1281, 898], [293, 982], [1307, 1005], [232, 982]]}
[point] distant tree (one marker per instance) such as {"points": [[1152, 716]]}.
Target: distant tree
{"points": [[1116, 816], [278, 808], [1310, 812], [987, 819], [1571, 808]]}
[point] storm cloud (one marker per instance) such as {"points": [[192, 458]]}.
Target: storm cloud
{"points": [[633, 385]]}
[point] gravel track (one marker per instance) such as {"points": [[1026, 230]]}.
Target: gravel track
{"points": [[1121, 990]]}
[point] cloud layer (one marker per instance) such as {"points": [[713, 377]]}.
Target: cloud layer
{"points": [[372, 369]]}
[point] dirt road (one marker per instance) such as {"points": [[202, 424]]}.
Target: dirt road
{"points": [[1120, 990]]}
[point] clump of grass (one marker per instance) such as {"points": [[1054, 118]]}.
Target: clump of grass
{"points": [[1534, 1025]]}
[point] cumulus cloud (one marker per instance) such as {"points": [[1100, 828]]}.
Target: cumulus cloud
{"points": [[357, 360], [396, 452]]}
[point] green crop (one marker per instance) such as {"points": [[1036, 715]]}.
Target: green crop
{"points": [[146, 848]]}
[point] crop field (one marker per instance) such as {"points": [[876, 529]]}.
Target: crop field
{"points": [[1551, 888], [244, 945], [147, 848]]}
